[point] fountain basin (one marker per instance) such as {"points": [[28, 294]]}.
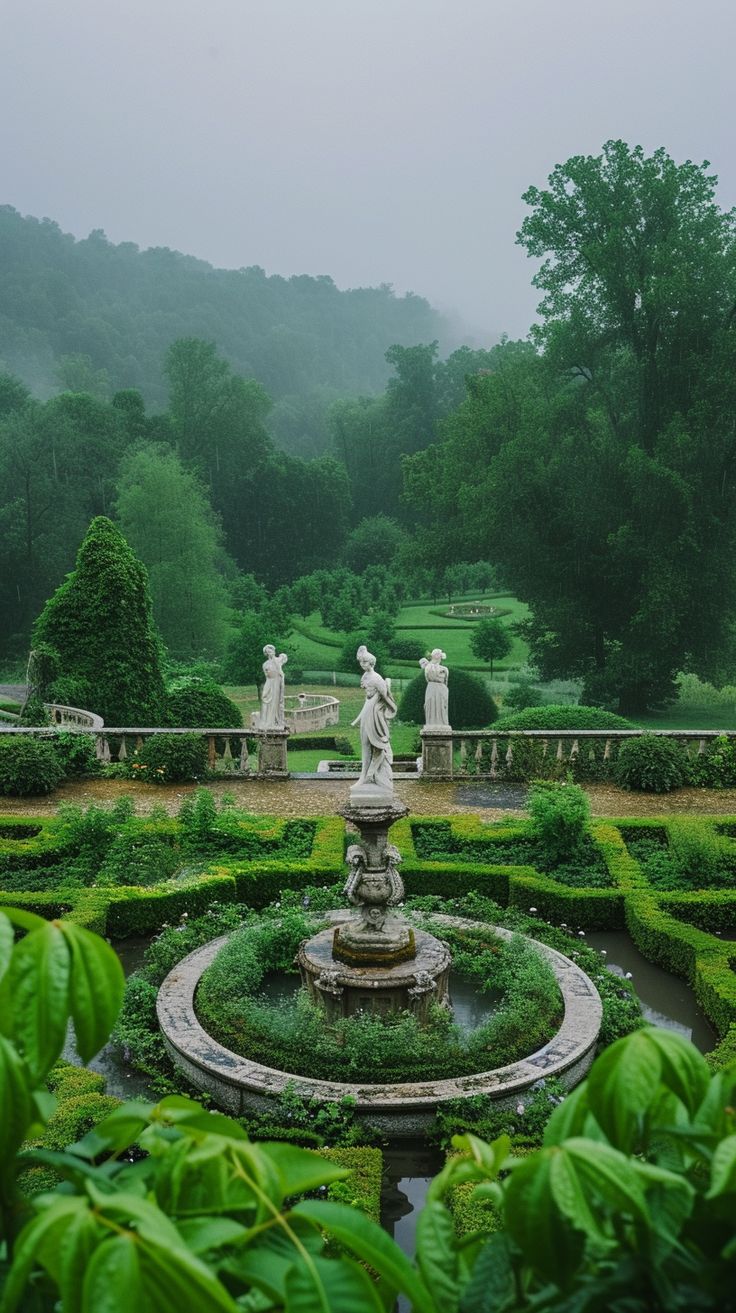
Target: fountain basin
{"points": [[241, 1084], [344, 989]]}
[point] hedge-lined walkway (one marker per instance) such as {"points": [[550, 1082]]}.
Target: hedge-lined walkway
{"points": [[289, 798]]}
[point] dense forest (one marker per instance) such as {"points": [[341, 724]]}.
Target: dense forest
{"points": [[592, 466], [98, 317]]}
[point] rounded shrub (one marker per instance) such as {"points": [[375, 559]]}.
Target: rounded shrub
{"points": [[564, 717], [196, 701], [470, 704], [76, 753], [651, 764], [28, 766], [406, 649], [170, 759]]}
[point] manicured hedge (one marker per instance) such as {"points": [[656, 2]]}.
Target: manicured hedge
{"points": [[362, 1189], [563, 717]]}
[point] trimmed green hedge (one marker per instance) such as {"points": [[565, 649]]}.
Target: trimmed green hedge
{"points": [[670, 928], [562, 716], [362, 1189]]}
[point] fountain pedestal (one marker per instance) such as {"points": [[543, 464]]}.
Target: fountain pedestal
{"points": [[374, 960]]}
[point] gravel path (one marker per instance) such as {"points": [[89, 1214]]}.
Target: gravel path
{"points": [[322, 798]]}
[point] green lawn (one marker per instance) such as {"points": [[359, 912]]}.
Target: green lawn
{"points": [[316, 648]]}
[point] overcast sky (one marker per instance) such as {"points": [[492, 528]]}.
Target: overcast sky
{"points": [[373, 140]]}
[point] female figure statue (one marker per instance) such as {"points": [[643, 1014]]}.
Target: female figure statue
{"points": [[436, 696], [378, 709], [272, 695]]}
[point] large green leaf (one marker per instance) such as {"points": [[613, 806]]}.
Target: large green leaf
{"points": [[572, 1117], [7, 940], [622, 1084], [476, 1160], [35, 992], [549, 1242], [437, 1255], [201, 1234], [267, 1263], [16, 1107], [683, 1069], [331, 1286], [173, 1280], [301, 1169], [112, 1281], [723, 1169], [121, 1128], [491, 1287], [608, 1176], [46, 1229], [369, 1242], [96, 988]]}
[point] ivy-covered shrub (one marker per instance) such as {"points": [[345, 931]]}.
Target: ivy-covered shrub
{"points": [[196, 702], [652, 763], [716, 767], [28, 766], [698, 852], [100, 623], [560, 815], [76, 753], [563, 717], [170, 759], [470, 705]]}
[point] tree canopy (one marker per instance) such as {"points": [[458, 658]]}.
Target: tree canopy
{"points": [[598, 470]]}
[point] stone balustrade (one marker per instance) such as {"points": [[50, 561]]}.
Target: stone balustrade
{"points": [[446, 754], [306, 712], [490, 753], [73, 717]]}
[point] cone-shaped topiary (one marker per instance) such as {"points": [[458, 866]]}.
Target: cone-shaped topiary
{"points": [[470, 705], [99, 622]]}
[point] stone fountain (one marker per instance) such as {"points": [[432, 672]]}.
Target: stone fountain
{"points": [[374, 961]]}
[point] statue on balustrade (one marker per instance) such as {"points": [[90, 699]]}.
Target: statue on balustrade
{"points": [[436, 695], [378, 710], [272, 693]]}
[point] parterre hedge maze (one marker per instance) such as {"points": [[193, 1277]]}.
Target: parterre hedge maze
{"points": [[670, 881]]}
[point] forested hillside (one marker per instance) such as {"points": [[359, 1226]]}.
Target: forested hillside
{"points": [[93, 316]]}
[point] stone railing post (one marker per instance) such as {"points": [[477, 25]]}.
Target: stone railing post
{"points": [[272, 758], [437, 752]]}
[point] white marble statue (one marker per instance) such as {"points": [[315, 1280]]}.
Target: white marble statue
{"points": [[272, 694], [378, 710], [436, 695]]}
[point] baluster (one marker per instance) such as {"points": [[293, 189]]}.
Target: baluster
{"points": [[227, 755], [509, 755], [122, 750], [244, 765], [494, 757], [138, 742], [591, 753], [102, 748], [574, 750], [463, 754], [211, 751], [701, 747], [607, 751], [559, 754], [479, 753], [545, 745]]}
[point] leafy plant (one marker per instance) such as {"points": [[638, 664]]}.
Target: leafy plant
{"points": [[560, 815], [170, 759], [77, 755], [28, 766], [196, 702], [562, 716], [652, 763]]}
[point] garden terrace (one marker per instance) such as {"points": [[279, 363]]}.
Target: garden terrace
{"points": [[677, 915]]}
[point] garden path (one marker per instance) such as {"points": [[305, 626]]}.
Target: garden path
{"points": [[323, 797]]}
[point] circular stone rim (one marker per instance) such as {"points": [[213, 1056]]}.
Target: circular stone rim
{"points": [[199, 1055]]}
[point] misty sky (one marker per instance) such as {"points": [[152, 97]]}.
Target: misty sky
{"points": [[373, 140]]}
